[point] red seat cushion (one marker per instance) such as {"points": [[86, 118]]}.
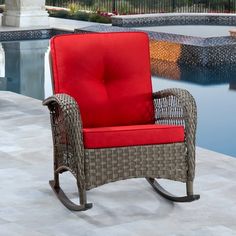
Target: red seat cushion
{"points": [[108, 74], [121, 136]]}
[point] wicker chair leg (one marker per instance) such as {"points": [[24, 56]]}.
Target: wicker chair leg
{"points": [[55, 185], [159, 189]]}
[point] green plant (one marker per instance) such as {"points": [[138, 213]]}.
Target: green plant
{"points": [[59, 13], [75, 14], [73, 8], [81, 15], [94, 17]]}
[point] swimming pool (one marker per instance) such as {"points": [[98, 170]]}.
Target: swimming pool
{"points": [[216, 103], [24, 69]]}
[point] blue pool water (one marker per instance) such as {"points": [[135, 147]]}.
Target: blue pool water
{"points": [[24, 69], [216, 105]]}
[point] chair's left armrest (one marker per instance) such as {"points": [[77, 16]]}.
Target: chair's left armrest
{"points": [[67, 133], [178, 107]]}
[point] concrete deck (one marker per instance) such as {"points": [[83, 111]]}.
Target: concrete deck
{"points": [[56, 23], [203, 31], [66, 24], [28, 207]]}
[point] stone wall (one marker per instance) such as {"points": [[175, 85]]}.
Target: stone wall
{"points": [[183, 49], [173, 19]]}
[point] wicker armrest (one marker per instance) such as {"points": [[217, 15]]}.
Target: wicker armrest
{"points": [[67, 133], [177, 106]]}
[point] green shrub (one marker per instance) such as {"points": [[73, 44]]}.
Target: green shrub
{"points": [[94, 17], [59, 14], [74, 8], [80, 15]]}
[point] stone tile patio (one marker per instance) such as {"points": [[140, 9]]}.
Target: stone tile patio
{"points": [[29, 207], [57, 23]]}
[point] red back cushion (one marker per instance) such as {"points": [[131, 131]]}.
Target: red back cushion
{"points": [[108, 74]]}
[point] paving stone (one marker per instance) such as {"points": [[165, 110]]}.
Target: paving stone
{"points": [[29, 207]]}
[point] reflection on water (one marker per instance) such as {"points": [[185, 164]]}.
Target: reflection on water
{"points": [[214, 89], [213, 75], [22, 67]]}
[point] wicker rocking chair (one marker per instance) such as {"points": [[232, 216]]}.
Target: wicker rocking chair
{"points": [[107, 125]]}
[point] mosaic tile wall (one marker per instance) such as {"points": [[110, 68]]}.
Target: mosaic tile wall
{"points": [[30, 34], [59, 31], [173, 19], [25, 34], [183, 49]]}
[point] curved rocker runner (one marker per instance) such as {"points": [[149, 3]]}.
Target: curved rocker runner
{"points": [[159, 189]]}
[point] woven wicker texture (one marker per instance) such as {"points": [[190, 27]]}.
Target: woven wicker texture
{"points": [[67, 136], [158, 161], [94, 167], [177, 106]]}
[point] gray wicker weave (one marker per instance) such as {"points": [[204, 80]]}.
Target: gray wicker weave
{"points": [[95, 167]]}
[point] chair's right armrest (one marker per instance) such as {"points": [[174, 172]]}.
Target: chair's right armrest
{"points": [[177, 106], [67, 133]]}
